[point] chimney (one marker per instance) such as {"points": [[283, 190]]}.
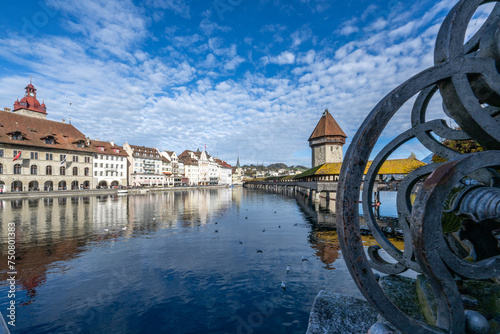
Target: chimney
{"points": [[112, 143], [6, 109], [64, 121]]}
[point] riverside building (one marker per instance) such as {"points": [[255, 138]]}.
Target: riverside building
{"points": [[110, 164], [145, 166], [40, 154]]}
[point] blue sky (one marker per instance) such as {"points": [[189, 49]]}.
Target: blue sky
{"points": [[239, 76]]}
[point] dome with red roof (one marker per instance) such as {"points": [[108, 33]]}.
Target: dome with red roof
{"points": [[29, 101]]}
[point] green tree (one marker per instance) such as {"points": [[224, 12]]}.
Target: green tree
{"points": [[461, 146]]}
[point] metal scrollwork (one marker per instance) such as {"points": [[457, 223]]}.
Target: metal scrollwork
{"points": [[467, 77]]}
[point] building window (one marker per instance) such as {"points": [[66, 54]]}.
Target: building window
{"points": [[86, 171], [95, 165], [112, 165], [48, 170], [101, 164], [62, 157], [101, 173], [17, 136], [17, 169], [49, 140], [107, 157], [62, 170], [34, 170], [75, 170], [87, 159], [106, 165], [121, 174], [107, 174], [48, 156], [1, 169], [112, 158], [1, 153], [95, 173], [75, 158], [34, 155], [16, 153]]}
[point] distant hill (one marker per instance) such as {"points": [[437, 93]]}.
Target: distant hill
{"points": [[277, 166]]}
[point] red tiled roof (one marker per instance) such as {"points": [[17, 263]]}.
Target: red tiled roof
{"points": [[327, 126], [108, 148], [139, 151], [186, 154], [186, 160], [35, 129], [223, 163], [30, 102]]}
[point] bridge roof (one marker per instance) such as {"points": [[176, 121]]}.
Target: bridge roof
{"points": [[395, 166]]}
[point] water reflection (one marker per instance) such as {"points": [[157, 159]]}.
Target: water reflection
{"points": [[324, 238], [152, 263], [52, 230]]}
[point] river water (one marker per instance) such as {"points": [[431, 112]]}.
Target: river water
{"points": [[193, 261]]}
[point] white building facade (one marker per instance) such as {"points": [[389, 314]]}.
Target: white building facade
{"points": [[110, 164], [145, 166]]}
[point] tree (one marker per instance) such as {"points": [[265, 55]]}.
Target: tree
{"points": [[461, 146]]}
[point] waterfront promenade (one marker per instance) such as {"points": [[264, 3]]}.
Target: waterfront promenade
{"points": [[93, 192]]}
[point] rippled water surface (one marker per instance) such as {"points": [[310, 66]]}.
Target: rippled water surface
{"points": [[171, 262]]}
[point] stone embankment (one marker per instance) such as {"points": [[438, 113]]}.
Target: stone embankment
{"points": [[92, 192]]}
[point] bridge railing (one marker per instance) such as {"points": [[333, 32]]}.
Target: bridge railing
{"points": [[466, 76]]}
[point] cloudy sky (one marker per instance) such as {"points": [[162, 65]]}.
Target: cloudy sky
{"points": [[243, 77]]}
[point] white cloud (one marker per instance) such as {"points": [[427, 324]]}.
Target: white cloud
{"points": [[178, 6], [285, 58], [187, 95], [348, 30]]}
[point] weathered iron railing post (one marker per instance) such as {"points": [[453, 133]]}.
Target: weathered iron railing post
{"points": [[468, 80]]}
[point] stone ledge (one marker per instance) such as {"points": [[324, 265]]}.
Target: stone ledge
{"points": [[336, 313]]}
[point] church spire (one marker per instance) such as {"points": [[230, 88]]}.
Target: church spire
{"points": [[238, 161]]}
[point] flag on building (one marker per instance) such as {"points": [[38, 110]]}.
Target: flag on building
{"points": [[17, 156], [64, 160]]}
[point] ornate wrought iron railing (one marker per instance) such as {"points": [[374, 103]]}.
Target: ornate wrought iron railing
{"points": [[466, 75]]}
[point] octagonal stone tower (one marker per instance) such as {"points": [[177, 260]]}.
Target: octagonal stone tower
{"points": [[326, 141]]}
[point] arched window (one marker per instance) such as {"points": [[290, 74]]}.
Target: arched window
{"points": [[86, 171], [48, 170], [17, 169], [34, 170], [62, 170], [75, 170]]}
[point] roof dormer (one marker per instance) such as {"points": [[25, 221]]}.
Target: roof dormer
{"points": [[49, 139], [17, 135]]}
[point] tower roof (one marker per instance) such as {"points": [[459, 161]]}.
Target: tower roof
{"points": [[29, 101], [327, 126]]}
